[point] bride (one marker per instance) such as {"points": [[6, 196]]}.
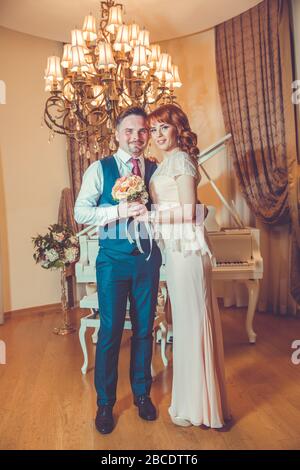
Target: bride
{"points": [[198, 391]]}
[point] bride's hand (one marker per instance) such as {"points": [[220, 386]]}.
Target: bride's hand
{"points": [[144, 217]]}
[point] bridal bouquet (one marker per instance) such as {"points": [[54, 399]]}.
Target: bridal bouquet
{"points": [[56, 249], [132, 188]]}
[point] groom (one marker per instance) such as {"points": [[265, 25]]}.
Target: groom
{"points": [[122, 271]]}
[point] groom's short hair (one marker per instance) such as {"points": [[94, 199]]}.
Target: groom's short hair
{"points": [[132, 110]]}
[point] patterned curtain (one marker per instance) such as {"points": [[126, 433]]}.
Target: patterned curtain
{"points": [[66, 210], [77, 164], [254, 68]]}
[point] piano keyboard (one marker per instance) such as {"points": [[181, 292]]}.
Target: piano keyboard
{"points": [[233, 264]]}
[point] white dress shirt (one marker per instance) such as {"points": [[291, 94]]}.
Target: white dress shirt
{"points": [[86, 210]]}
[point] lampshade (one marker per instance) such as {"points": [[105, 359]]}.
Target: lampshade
{"points": [[53, 70], [122, 40], [105, 57], [155, 55], [89, 31], [164, 67], [78, 40], [78, 61], [139, 62], [115, 19], [67, 56], [175, 80], [134, 31], [144, 40]]}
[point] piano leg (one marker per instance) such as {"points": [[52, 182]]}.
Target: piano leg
{"points": [[253, 290], [163, 343], [82, 330], [162, 301], [95, 334]]}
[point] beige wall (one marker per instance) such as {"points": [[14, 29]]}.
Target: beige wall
{"points": [[32, 172], [199, 98]]}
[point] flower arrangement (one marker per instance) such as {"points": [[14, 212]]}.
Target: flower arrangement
{"points": [[57, 249], [130, 188]]}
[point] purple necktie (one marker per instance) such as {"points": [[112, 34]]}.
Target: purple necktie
{"points": [[136, 168]]}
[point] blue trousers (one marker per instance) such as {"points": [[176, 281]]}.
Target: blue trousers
{"points": [[121, 276]]}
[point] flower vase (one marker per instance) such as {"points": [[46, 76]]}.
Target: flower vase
{"points": [[65, 328]]}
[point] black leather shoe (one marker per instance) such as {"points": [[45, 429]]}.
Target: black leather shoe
{"points": [[104, 420], [146, 408]]}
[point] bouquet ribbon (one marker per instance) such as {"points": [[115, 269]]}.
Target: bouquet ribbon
{"points": [[137, 236]]}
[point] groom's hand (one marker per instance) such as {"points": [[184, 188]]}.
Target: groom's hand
{"points": [[131, 209]]}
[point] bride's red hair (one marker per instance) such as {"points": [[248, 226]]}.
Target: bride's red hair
{"points": [[173, 115]]}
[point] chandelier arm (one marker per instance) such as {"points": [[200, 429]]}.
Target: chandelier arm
{"points": [[50, 125], [100, 122], [63, 91]]}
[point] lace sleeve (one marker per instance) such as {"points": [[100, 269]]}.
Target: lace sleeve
{"points": [[181, 164]]}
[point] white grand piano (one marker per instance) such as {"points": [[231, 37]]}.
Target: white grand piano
{"points": [[236, 250]]}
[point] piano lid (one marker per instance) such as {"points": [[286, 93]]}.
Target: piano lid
{"points": [[206, 155]]}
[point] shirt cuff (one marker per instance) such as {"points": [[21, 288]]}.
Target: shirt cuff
{"points": [[112, 213]]}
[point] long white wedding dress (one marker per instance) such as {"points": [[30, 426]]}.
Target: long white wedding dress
{"points": [[198, 391]]}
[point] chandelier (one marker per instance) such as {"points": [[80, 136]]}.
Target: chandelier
{"points": [[102, 72]]}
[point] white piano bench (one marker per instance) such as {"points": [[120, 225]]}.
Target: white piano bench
{"points": [[93, 321]]}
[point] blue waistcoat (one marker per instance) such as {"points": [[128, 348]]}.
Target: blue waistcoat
{"points": [[113, 235]]}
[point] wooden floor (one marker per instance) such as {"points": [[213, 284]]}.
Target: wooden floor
{"points": [[45, 402]]}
